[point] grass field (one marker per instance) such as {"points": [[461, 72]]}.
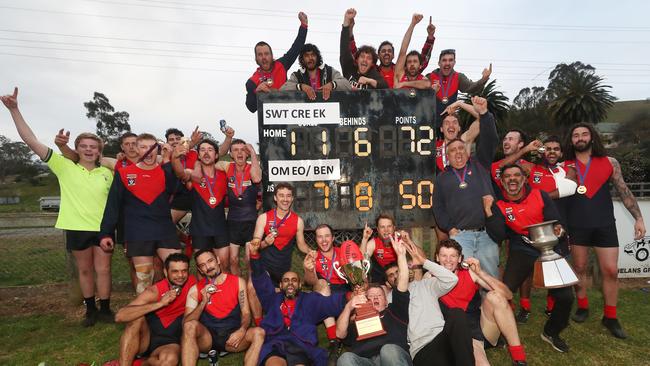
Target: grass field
{"points": [[39, 324]]}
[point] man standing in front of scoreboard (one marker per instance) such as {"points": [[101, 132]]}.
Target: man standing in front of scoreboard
{"points": [[314, 75], [272, 74], [280, 230], [461, 188]]}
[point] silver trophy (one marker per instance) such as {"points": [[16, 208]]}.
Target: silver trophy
{"points": [[551, 269]]}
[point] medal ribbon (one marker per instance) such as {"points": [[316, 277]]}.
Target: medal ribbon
{"points": [[461, 180], [239, 184], [444, 88], [582, 177], [329, 274], [209, 183], [275, 217]]}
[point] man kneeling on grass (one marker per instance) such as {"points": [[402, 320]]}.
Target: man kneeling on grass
{"points": [[155, 318]]}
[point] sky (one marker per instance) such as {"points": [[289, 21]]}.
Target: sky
{"points": [[172, 63]]}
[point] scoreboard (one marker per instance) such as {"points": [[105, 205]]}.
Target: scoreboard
{"points": [[352, 157]]}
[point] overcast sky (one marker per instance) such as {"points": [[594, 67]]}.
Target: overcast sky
{"points": [[174, 63]]}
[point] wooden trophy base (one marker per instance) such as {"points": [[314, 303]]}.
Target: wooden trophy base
{"points": [[368, 322], [554, 274]]}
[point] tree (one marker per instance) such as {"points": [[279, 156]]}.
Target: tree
{"points": [[110, 124], [15, 158], [529, 111], [633, 147], [577, 94]]}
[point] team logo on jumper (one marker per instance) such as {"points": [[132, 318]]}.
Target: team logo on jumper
{"points": [[202, 184], [438, 152], [537, 178], [509, 214], [130, 179], [497, 174], [380, 253], [323, 264]]}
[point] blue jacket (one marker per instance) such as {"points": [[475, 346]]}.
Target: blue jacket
{"points": [[311, 309]]}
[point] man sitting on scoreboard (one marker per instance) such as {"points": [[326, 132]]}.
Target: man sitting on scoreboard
{"points": [[363, 74], [314, 75], [380, 248], [451, 81], [272, 74], [407, 68], [386, 53]]}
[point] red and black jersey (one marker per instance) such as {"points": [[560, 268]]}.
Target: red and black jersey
{"points": [[496, 173], [405, 78], [276, 77], [144, 196], [277, 257], [448, 87], [122, 163], [388, 74], [541, 177], [208, 201], [463, 293], [325, 267], [242, 194], [222, 310], [534, 208], [176, 308], [287, 308], [594, 208], [384, 255]]}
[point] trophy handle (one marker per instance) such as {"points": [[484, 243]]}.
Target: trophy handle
{"points": [[337, 268], [527, 240], [366, 266]]}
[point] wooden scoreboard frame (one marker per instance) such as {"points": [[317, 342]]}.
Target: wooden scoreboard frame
{"points": [[352, 157]]}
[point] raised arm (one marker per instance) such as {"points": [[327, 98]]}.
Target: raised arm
{"points": [[292, 54], [428, 45], [367, 246], [225, 145], [256, 167], [495, 224], [309, 267], [628, 199], [402, 265], [26, 133], [489, 138], [513, 158], [347, 62], [183, 174], [403, 50], [474, 87]]}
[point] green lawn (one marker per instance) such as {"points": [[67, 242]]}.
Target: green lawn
{"points": [[60, 340], [47, 329]]}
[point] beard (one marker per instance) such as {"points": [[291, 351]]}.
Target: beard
{"points": [[582, 148], [291, 295]]}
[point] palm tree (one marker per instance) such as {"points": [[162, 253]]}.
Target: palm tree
{"points": [[577, 94]]}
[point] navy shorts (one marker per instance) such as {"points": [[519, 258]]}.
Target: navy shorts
{"points": [[81, 240], [209, 242], [147, 248], [601, 237], [241, 232]]}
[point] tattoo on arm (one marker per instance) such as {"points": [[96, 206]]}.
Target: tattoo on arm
{"points": [[623, 191]]}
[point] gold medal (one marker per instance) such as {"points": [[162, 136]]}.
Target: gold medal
{"points": [[412, 93], [462, 185], [581, 189], [213, 200], [269, 82], [445, 100]]}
